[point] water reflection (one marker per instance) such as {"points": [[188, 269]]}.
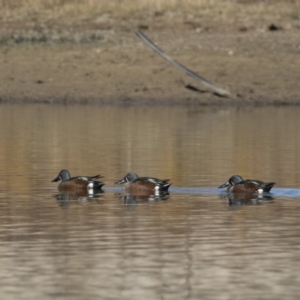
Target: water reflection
{"points": [[112, 245], [135, 198], [238, 199], [202, 145], [65, 198], [191, 146]]}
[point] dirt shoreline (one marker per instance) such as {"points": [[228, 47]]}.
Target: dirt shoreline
{"points": [[257, 67]]}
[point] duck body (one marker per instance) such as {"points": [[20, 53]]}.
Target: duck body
{"points": [[144, 185], [236, 184], [69, 183]]}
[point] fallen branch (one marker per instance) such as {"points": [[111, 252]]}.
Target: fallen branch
{"points": [[218, 91]]}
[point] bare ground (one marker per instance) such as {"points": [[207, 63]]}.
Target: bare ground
{"points": [[255, 64]]}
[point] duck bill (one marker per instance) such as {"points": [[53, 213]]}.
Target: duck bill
{"points": [[226, 184], [123, 180], [56, 179]]}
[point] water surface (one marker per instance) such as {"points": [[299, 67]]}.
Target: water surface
{"points": [[194, 244]]}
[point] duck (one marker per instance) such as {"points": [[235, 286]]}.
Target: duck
{"points": [[135, 184], [236, 184], [69, 183]]}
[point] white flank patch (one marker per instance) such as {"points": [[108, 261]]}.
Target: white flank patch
{"points": [[156, 190], [260, 191], [91, 185]]}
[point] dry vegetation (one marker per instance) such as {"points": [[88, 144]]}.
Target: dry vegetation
{"points": [[85, 20], [82, 10]]}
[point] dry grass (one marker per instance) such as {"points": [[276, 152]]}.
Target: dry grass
{"points": [[83, 9], [84, 21]]}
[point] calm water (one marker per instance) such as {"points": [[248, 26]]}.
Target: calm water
{"points": [[191, 245]]}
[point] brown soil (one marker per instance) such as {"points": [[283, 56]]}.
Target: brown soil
{"points": [[256, 64]]}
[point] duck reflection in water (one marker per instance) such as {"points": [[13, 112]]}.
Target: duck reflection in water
{"points": [[65, 198], [135, 198], [239, 199]]}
